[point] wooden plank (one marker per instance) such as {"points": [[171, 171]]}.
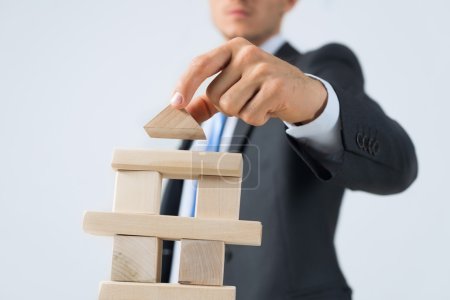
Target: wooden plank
{"points": [[202, 262], [218, 197], [164, 291], [136, 259], [138, 191], [179, 164], [172, 123], [173, 227]]}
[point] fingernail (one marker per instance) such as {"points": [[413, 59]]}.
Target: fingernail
{"points": [[177, 99]]}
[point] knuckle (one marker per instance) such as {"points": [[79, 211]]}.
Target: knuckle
{"points": [[259, 122], [239, 41], [199, 61], [248, 54], [250, 118], [227, 105], [274, 87], [276, 84], [262, 69]]}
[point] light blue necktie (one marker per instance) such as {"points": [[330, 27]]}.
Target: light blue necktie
{"points": [[212, 146]]}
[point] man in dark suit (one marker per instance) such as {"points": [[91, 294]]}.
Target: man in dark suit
{"points": [[308, 131]]}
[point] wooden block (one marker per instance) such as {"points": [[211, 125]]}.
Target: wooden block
{"points": [[179, 164], [202, 262], [138, 191], [164, 291], [136, 259], [174, 228], [218, 197], [174, 123]]}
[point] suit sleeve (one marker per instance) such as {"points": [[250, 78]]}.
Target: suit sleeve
{"points": [[378, 156]]}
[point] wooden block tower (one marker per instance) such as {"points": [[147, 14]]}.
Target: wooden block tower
{"points": [[138, 229]]}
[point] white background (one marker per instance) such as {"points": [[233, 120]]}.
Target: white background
{"points": [[80, 78]]}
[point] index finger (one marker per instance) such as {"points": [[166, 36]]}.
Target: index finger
{"points": [[200, 69]]}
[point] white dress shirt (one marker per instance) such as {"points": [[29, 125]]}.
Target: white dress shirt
{"points": [[322, 134]]}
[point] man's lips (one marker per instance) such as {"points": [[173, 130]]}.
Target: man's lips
{"points": [[241, 13]]}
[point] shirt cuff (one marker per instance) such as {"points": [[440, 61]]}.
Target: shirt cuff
{"points": [[323, 133]]}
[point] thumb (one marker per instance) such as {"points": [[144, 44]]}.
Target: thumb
{"points": [[201, 109]]}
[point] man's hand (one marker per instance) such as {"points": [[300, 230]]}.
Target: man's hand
{"points": [[252, 85]]}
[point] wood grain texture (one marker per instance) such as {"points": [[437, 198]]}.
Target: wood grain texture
{"points": [[202, 262], [218, 197], [173, 227], [164, 291], [179, 164], [172, 123], [138, 191], [136, 259]]}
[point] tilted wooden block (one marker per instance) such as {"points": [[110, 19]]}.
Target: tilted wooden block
{"points": [[164, 291], [179, 164], [174, 123], [218, 197], [174, 228], [138, 191], [137, 258], [202, 262]]}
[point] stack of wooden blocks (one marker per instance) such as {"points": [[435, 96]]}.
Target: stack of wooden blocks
{"points": [[138, 228]]}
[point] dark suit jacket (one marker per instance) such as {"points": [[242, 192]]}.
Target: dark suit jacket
{"points": [[296, 192]]}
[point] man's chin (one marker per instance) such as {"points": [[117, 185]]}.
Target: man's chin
{"points": [[243, 34]]}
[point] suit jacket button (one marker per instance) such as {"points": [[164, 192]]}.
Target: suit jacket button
{"points": [[360, 140], [376, 147], [370, 148], [366, 143]]}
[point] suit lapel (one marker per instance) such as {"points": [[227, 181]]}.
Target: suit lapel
{"points": [[243, 130], [287, 53]]}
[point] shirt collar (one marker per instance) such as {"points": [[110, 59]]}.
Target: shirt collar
{"points": [[273, 44]]}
